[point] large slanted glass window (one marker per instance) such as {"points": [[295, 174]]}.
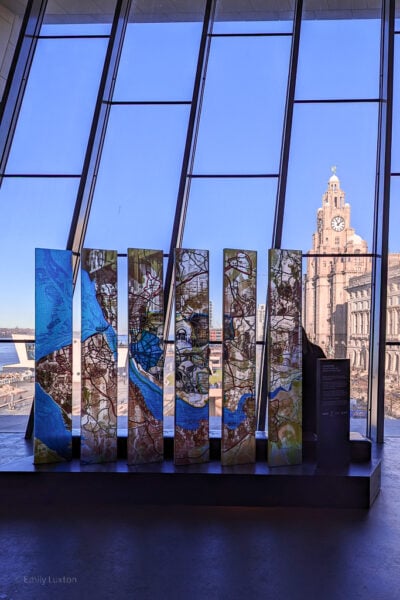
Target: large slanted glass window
{"points": [[56, 115], [233, 183], [41, 179], [138, 178], [35, 212], [335, 125]]}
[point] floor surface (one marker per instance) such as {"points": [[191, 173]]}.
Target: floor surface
{"points": [[178, 553]]}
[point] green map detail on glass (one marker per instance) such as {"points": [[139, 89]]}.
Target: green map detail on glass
{"points": [[191, 443], [146, 356], [238, 444], [284, 358], [99, 356]]}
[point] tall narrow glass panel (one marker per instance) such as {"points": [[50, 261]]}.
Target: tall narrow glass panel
{"points": [[238, 443], [284, 358], [191, 443], [146, 356], [53, 356], [99, 356]]}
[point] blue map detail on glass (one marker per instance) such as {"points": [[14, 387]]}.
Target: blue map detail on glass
{"points": [[188, 416], [93, 320], [50, 426], [147, 351], [233, 418], [151, 393], [53, 273]]}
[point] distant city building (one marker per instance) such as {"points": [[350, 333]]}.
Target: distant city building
{"points": [[326, 281], [359, 301], [337, 296], [260, 322], [216, 334], [211, 314]]}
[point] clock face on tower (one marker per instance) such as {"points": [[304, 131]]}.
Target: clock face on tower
{"points": [[337, 223]]}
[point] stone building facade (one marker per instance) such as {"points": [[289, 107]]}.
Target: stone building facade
{"points": [[335, 246], [337, 297]]}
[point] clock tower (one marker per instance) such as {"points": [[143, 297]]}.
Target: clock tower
{"points": [[327, 277]]}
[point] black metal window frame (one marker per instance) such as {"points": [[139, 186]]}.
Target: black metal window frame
{"points": [[12, 99]]}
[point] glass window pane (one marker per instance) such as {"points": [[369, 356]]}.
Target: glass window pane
{"points": [[243, 107], [86, 30], [10, 26], [158, 61], [396, 103], [392, 359], [394, 215], [88, 17], [57, 111], [17, 381], [231, 213], [245, 16], [342, 135], [138, 180], [336, 317], [35, 213], [338, 59]]}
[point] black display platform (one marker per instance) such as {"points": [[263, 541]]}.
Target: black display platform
{"points": [[355, 486]]}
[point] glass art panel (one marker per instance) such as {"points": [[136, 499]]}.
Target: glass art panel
{"points": [[191, 357], [146, 356], [284, 358], [99, 356], [53, 356], [238, 444]]}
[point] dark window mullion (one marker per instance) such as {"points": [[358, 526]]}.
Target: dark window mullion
{"points": [[280, 198], [188, 157], [18, 77], [97, 134], [376, 371]]}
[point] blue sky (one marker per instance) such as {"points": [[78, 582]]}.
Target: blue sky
{"points": [[240, 133]]}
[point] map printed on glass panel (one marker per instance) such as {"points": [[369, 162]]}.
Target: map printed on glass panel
{"points": [[53, 356], [284, 358], [191, 356], [146, 356], [99, 356], [239, 358]]}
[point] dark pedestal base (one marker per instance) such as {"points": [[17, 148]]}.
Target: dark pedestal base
{"points": [[355, 486]]}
